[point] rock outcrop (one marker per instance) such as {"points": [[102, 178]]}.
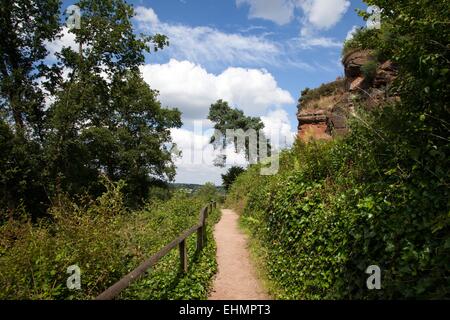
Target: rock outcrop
{"points": [[313, 125], [323, 112], [353, 63]]}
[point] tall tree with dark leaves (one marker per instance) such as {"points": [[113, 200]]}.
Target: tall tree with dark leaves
{"points": [[228, 118], [26, 25], [106, 119]]}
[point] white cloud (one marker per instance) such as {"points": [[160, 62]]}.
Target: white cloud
{"points": [[277, 126], [146, 15], [278, 11], [191, 88], [317, 14], [324, 14], [310, 41], [196, 165], [67, 39], [212, 47], [197, 162], [351, 33], [206, 44]]}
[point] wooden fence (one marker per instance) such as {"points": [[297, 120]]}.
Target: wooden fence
{"points": [[181, 242]]}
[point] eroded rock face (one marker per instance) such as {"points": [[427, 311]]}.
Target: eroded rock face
{"points": [[313, 124], [324, 124], [357, 84], [386, 74], [353, 62]]}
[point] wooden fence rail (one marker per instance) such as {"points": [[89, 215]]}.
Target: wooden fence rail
{"points": [[181, 242]]}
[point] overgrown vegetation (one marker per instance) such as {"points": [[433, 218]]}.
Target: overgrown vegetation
{"points": [[230, 176], [67, 118], [369, 71], [308, 96], [379, 196], [106, 241]]}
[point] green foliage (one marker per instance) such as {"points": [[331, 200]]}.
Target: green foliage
{"points": [[378, 196], [228, 118], [106, 241], [369, 70], [208, 192], [103, 118], [230, 176], [362, 39], [165, 281], [26, 25], [326, 89]]}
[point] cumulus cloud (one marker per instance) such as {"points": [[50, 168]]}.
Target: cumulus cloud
{"points": [[278, 11], [66, 39], [146, 15], [317, 14], [324, 14], [196, 165], [277, 127], [191, 88], [351, 33]]}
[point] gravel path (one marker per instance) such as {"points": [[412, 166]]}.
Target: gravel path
{"points": [[236, 278]]}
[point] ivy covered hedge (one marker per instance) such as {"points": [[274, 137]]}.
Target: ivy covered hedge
{"points": [[330, 213], [379, 196]]}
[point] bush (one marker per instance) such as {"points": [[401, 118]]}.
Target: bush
{"points": [[230, 176], [379, 196], [106, 241], [369, 70], [363, 39], [337, 207], [325, 89]]}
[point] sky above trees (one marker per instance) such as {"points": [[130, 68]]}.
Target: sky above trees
{"points": [[256, 54]]}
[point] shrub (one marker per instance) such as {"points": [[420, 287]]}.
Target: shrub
{"points": [[337, 207], [369, 70], [325, 89], [106, 241]]}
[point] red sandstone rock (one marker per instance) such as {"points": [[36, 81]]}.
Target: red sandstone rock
{"points": [[358, 83]]}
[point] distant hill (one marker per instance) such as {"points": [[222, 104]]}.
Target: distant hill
{"points": [[193, 187]]}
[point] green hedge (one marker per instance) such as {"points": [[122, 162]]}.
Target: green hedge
{"points": [[337, 207]]}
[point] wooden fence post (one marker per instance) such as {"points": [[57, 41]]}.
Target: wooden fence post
{"points": [[183, 256], [204, 226], [199, 239]]}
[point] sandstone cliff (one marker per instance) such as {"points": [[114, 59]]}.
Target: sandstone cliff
{"points": [[323, 112]]}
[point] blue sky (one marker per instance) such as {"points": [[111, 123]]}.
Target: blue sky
{"points": [[256, 54]]}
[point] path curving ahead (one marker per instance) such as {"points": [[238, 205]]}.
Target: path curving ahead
{"points": [[236, 278]]}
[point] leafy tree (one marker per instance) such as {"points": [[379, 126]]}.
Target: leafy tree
{"points": [[228, 118], [230, 176], [106, 119], [26, 26], [208, 192]]}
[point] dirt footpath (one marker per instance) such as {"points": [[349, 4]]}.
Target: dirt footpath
{"points": [[236, 278]]}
